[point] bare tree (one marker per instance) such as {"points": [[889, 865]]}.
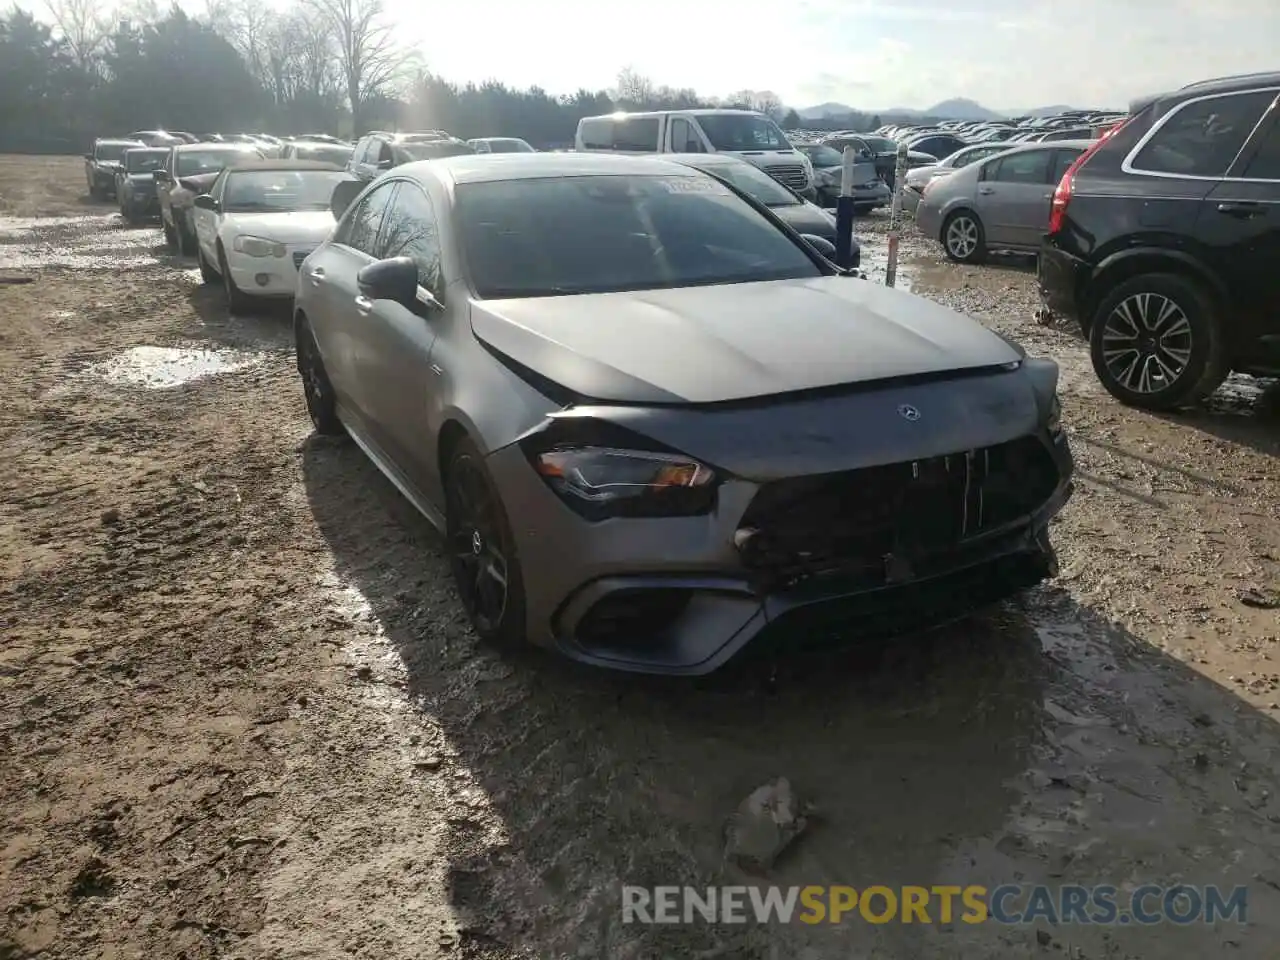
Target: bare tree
{"points": [[83, 27], [761, 101], [634, 89], [369, 58]]}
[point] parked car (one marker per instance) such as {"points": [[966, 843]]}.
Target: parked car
{"points": [[189, 171], [1001, 203], [500, 145], [653, 425], [936, 144], [101, 163], [259, 221], [339, 153], [1164, 240], [377, 153], [880, 151], [745, 134], [136, 183], [805, 218], [869, 191], [920, 177], [156, 138]]}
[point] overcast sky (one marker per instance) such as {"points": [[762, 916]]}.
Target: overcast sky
{"points": [[1005, 54]]}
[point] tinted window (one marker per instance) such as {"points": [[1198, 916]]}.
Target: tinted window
{"points": [[1202, 138], [1265, 164], [567, 235], [360, 230], [1062, 159], [597, 134], [683, 137], [743, 131], [412, 231], [1029, 167], [638, 135]]}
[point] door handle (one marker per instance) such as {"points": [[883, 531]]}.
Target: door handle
{"points": [[1242, 210], [364, 304], [986, 191], [317, 276]]}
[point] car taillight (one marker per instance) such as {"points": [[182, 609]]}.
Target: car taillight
{"points": [[1062, 194]]}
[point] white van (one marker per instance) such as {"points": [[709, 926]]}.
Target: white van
{"points": [[742, 133]]}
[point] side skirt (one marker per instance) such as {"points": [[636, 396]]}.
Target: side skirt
{"points": [[390, 471]]}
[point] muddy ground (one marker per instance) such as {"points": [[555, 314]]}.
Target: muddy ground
{"points": [[242, 715]]}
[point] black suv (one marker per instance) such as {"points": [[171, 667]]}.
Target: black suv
{"points": [[378, 152], [1164, 243]]}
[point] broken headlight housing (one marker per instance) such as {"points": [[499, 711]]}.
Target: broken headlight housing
{"points": [[603, 482]]}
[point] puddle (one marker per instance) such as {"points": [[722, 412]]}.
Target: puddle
{"points": [[159, 368], [97, 242], [875, 263]]}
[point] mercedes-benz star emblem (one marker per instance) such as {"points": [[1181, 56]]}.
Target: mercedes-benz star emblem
{"points": [[907, 412]]}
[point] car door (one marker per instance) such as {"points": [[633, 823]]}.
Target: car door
{"points": [[339, 322], [1240, 222], [1013, 198], [396, 341], [206, 221], [165, 184]]}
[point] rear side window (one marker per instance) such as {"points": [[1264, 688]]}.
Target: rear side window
{"points": [[597, 134], [1029, 167], [1265, 162], [637, 135], [1202, 138], [1062, 159]]}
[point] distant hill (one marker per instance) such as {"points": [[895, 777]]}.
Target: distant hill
{"points": [[825, 109], [1052, 111], [957, 109]]}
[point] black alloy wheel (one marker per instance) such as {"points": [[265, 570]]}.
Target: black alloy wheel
{"points": [[316, 388]]}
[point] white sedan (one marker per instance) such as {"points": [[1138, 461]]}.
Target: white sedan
{"points": [[259, 221]]}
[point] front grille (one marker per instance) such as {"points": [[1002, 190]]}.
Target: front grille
{"points": [[881, 524], [789, 175]]}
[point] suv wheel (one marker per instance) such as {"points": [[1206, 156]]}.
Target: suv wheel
{"points": [[963, 238], [1156, 342]]}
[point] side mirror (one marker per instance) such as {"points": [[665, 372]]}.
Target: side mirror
{"points": [[822, 245], [343, 193], [206, 202], [395, 279]]}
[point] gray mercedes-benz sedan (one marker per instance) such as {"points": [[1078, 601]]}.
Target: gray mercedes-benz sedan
{"points": [[654, 424]]}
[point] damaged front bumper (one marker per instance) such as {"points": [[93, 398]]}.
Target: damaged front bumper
{"points": [[825, 538]]}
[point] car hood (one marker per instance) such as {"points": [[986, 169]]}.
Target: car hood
{"points": [[807, 218], [303, 226], [733, 341]]}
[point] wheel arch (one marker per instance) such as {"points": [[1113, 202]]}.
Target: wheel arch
{"points": [[1124, 265], [452, 432]]}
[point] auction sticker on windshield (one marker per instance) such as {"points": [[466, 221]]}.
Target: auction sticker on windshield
{"points": [[694, 185]]}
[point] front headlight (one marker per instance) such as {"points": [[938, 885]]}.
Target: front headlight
{"points": [[602, 482], [1053, 423], [258, 247]]}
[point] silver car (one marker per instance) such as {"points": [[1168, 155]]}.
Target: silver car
{"points": [[920, 177], [1001, 203], [653, 425]]}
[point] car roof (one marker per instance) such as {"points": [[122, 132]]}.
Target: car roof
{"points": [[112, 141], [1208, 88], [480, 168], [251, 165], [214, 147]]}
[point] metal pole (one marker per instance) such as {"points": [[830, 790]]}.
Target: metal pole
{"points": [[844, 213], [895, 215]]}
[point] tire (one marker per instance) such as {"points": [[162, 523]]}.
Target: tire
{"points": [[1173, 323], [960, 244], [316, 387], [236, 300], [208, 275], [478, 537]]}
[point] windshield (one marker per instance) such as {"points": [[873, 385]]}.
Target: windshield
{"points": [[509, 146], [742, 131], [325, 153], [271, 191], [599, 234], [142, 161], [434, 150], [754, 181], [192, 163], [111, 152], [823, 156], [881, 144]]}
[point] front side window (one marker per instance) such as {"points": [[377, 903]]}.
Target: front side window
{"points": [[1031, 166], [412, 231], [597, 234], [360, 229], [1265, 162], [1203, 137], [743, 131]]}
